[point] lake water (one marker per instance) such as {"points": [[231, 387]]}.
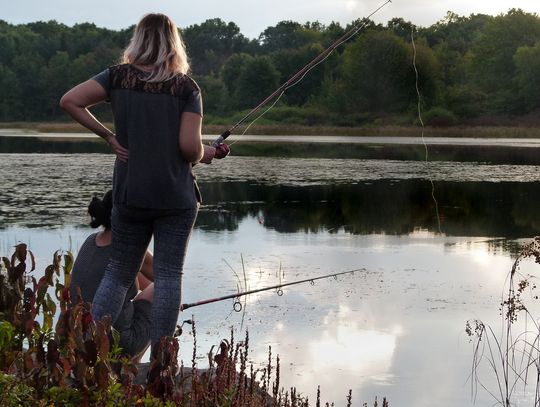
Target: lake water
{"points": [[394, 329]]}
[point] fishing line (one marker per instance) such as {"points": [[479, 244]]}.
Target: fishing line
{"points": [[297, 77], [258, 117], [291, 85], [422, 127]]}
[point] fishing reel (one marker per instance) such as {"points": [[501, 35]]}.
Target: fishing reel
{"points": [[222, 151]]}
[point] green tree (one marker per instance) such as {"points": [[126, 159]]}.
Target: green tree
{"points": [[8, 45], [20, 40], [451, 39], [376, 74], [331, 33], [55, 80], [32, 103], [400, 27], [51, 37], [84, 66], [289, 61], [453, 63], [492, 64], [214, 94], [527, 60], [470, 65], [257, 79], [230, 72], [289, 35], [210, 43], [363, 25], [457, 31], [430, 80], [10, 100], [81, 39]]}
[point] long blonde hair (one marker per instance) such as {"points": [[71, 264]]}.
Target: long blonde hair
{"points": [[156, 43]]}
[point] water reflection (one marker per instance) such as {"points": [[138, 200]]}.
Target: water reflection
{"points": [[394, 330], [384, 206], [343, 345], [286, 195]]}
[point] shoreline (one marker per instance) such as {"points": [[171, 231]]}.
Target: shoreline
{"points": [[304, 139], [476, 148], [458, 131]]}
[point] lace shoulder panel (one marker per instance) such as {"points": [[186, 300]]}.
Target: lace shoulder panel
{"points": [[126, 77]]}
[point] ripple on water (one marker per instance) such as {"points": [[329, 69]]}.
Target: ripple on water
{"points": [[49, 190]]}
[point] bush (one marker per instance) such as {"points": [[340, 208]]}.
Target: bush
{"points": [[466, 101], [439, 117], [13, 393], [304, 116]]}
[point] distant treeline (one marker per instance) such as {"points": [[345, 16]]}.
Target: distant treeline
{"points": [[468, 68]]}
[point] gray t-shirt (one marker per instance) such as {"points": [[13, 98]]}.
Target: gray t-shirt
{"points": [[147, 118], [87, 273]]}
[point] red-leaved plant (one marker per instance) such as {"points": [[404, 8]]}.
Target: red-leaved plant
{"points": [[77, 361]]}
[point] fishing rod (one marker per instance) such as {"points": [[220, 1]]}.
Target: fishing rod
{"points": [[238, 306], [297, 77]]}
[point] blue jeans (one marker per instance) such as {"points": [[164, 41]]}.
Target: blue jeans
{"points": [[132, 230]]}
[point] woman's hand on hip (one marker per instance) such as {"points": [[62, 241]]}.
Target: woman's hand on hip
{"points": [[121, 152]]}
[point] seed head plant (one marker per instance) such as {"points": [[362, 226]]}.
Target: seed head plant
{"points": [[513, 355]]}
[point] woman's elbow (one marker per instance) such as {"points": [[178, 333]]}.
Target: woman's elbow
{"points": [[66, 103], [62, 102]]}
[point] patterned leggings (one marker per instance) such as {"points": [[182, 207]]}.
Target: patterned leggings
{"points": [[132, 231]]}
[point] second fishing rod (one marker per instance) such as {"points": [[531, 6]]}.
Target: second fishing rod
{"points": [[238, 307]]}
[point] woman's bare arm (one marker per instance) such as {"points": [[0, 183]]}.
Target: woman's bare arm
{"points": [[147, 267], [76, 102], [190, 139]]}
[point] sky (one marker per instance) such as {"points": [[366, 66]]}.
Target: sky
{"points": [[252, 16]]}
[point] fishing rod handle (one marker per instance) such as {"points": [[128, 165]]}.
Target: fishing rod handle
{"points": [[221, 138]]}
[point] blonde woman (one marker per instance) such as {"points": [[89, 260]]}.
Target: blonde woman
{"points": [[157, 113]]}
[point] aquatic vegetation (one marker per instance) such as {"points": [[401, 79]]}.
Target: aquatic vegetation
{"points": [[513, 355], [77, 361]]}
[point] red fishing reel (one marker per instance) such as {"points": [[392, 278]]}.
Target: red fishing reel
{"points": [[222, 151]]}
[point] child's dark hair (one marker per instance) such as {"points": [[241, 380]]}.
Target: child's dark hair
{"points": [[100, 211]]}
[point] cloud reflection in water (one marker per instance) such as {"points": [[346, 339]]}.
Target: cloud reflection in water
{"points": [[343, 345]]}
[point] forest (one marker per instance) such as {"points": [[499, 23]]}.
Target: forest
{"points": [[477, 69]]}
